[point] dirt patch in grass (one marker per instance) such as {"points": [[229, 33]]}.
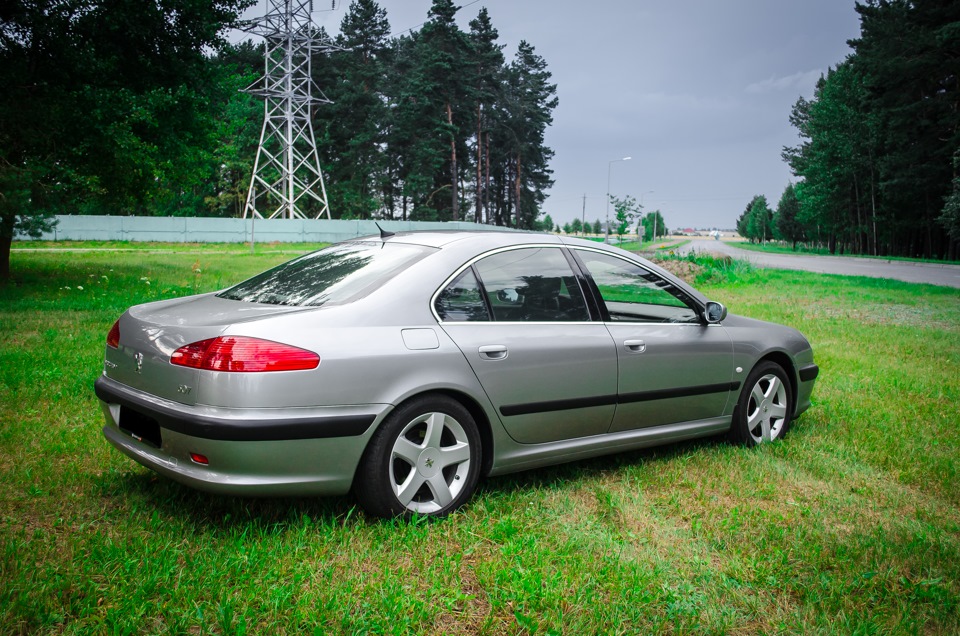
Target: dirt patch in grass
{"points": [[684, 270], [472, 614]]}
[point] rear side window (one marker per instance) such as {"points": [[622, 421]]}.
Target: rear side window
{"points": [[335, 275], [461, 300]]}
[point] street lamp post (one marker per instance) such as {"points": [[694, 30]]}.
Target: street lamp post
{"points": [[609, 170]]}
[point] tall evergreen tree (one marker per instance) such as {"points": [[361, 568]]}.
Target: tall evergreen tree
{"points": [[487, 60], [755, 223], [528, 107], [440, 84], [786, 221], [742, 221], [760, 221], [909, 55], [355, 123], [837, 160]]}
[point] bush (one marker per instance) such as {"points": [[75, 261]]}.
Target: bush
{"points": [[701, 268]]}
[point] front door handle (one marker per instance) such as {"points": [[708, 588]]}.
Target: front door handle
{"points": [[636, 346], [493, 352]]}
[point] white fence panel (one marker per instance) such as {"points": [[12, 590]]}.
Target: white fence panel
{"points": [[214, 230]]}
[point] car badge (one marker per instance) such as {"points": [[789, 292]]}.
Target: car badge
{"points": [[429, 463], [138, 358]]}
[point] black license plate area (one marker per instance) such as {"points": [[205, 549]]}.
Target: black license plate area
{"points": [[140, 426]]}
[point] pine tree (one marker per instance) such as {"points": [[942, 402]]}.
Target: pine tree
{"points": [[787, 226], [908, 54], [487, 60], [527, 111], [355, 123], [438, 90]]}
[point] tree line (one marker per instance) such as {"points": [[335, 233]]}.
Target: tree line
{"points": [[878, 165], [435, 124], [130, 107]]}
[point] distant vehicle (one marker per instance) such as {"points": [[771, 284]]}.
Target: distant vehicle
{"points": [[407, 366]]}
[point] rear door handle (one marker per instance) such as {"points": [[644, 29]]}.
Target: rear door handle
{"points": [[636, 346], [493, 352]]}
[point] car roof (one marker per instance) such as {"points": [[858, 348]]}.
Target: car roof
{"points": [[480, 238]]}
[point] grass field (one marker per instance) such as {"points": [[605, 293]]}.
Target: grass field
{"points": [[785, 248], [850, 525]]}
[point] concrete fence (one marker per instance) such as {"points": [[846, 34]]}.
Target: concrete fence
{"points": [[211, 230]]}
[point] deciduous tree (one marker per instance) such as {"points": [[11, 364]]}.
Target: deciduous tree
{"points": [[99, 100]]}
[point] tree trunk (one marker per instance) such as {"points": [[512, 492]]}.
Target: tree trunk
{"points": [[517, 186], [478, 210], [486, 179], [454, 195], [858, 237], [5, 242], [873, 211]]}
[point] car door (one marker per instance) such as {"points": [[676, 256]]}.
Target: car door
{"points": [[521, 320], [672, 367]]}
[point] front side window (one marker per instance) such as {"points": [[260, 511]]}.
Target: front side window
{"points": [[534, 284], [633, 294], [337, 274]]}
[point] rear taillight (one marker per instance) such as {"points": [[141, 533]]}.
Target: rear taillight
{"points": [[240, 354], [113, 338]]}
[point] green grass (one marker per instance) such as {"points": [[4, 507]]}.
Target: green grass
{"points": [[783, 248], [850, 525]]}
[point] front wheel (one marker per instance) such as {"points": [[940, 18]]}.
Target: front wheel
{"points": [[424, 458], [765, 407]]}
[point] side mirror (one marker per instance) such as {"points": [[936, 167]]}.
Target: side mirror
{"points": [[714, 312], [508, 296]]}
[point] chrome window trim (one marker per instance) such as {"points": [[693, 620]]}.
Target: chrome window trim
{"points": [[500, 250], [698, 308]]}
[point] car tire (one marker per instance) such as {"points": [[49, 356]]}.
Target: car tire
{"points": [[424, 459], [765, 408]]}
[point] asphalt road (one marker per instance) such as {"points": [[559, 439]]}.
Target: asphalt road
{"points": [[932, 273]]}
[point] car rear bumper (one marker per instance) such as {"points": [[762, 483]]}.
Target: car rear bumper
{"points": [[255, 452]]}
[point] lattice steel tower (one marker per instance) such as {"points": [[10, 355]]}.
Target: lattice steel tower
{"points": [[287, 168]]}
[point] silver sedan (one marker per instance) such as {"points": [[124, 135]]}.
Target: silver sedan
{"points": [[405, 367]]}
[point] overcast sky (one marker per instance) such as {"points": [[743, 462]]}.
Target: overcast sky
{"points": [[697, 92]]}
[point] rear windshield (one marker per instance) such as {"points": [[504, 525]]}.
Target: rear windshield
{"points": [[337, 274]]}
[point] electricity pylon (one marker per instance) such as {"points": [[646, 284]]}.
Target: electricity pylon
{"points": [[287, 168]]}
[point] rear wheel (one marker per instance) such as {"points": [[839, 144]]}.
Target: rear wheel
{"points": [[424, 458], [765, 406]]}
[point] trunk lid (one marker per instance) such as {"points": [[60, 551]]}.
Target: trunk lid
{"points": [[149, 334]]}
